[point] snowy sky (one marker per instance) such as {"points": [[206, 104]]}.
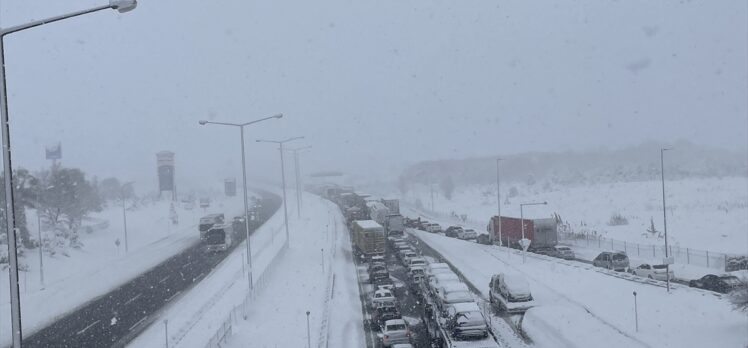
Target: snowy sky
{"points": [[369, 83]]}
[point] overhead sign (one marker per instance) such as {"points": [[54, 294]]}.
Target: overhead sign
{"points": [[165, 164], [229, 187], [54, 152]]}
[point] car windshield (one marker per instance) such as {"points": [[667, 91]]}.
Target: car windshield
{"points": [[223, 173]]}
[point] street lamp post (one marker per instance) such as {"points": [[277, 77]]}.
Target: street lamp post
{"points": [[124, 211], [664, 216], [15, 301], [522, 222], [297, 172], [39, 233], [283, 179], [244, 181], [498, 200]]}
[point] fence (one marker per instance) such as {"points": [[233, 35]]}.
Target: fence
{"points": [[225, 330], [687, 256]]}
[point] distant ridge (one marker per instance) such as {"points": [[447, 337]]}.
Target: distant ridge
{"points": [[636, 163]]}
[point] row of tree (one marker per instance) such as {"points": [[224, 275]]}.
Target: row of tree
{"points": [[61, 196]]}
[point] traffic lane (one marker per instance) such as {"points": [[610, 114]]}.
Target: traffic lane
{"points": [[119, 316], [105, 320], [411, 307]]}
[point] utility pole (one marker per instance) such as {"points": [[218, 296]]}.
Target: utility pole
{"points": [[498, 200], [664, 217], [283, 179]]}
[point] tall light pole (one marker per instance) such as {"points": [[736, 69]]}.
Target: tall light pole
{"points": [[39, 232], [664, 215], [297, 172], [244, 181], [498, 200], [283, 179], [522, 222], [15, 300], [124, 211]]}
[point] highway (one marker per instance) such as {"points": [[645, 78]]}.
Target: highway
{"points": [[114, 319]]}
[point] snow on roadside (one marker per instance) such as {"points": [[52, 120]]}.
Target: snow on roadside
{"points": [[683, 318], [196, 315], [298, 281], [581, 251], [69, 281], [300, 284], [703, 213]]}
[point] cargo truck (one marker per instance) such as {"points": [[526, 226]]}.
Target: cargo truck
{"points": [[368, 237], [207, 222], [542, 233]]}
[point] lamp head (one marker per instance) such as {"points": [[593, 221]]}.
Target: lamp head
{"points": [[278, 116], [123, 5], [202, 122]]}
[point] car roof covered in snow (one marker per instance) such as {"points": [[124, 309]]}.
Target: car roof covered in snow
{"points": [[455, 286], [465, 307], [438, 265], [517, 284]]}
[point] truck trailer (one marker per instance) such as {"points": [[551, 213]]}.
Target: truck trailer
{"points": [[542, 233], [368, 237]]}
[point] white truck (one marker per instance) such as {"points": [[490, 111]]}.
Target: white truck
{"points": [[391, 221]]}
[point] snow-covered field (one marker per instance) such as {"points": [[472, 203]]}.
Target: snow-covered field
{"points": [[100, 266], [315, 274], [708, 213], [578, 307]]}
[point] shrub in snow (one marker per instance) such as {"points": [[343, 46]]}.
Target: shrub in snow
{"points": [[448, 187], [739, 298], [618, 220]]}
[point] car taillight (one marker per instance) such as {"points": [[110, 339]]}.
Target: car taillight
{"points": [[407, 333]]}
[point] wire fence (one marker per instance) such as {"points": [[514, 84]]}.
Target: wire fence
{"points": [[225, 330], [687, 256]]}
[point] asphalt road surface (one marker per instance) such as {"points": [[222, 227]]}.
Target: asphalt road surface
{"points": [[119, 316], [411, 308]]}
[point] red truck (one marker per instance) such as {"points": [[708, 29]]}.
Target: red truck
{"points": [[542, 232]]}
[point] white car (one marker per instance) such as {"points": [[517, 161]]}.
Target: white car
{"points": [[394, 331], [406, 255], [415, 262], [438, 280], [433, 267], [433, 228], [658, 272], [467, 234], [510, 293], [382, 296]]}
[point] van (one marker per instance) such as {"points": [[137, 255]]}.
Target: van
{"points": [[617, 261]]}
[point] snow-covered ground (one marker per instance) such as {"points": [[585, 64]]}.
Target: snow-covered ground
{"points": [[316, 274], [100, 266], [579, 307], [706, 213], [587, 252]]}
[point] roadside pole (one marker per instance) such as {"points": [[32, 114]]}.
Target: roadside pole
{"points": [[308, 335], [636, 313]]}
